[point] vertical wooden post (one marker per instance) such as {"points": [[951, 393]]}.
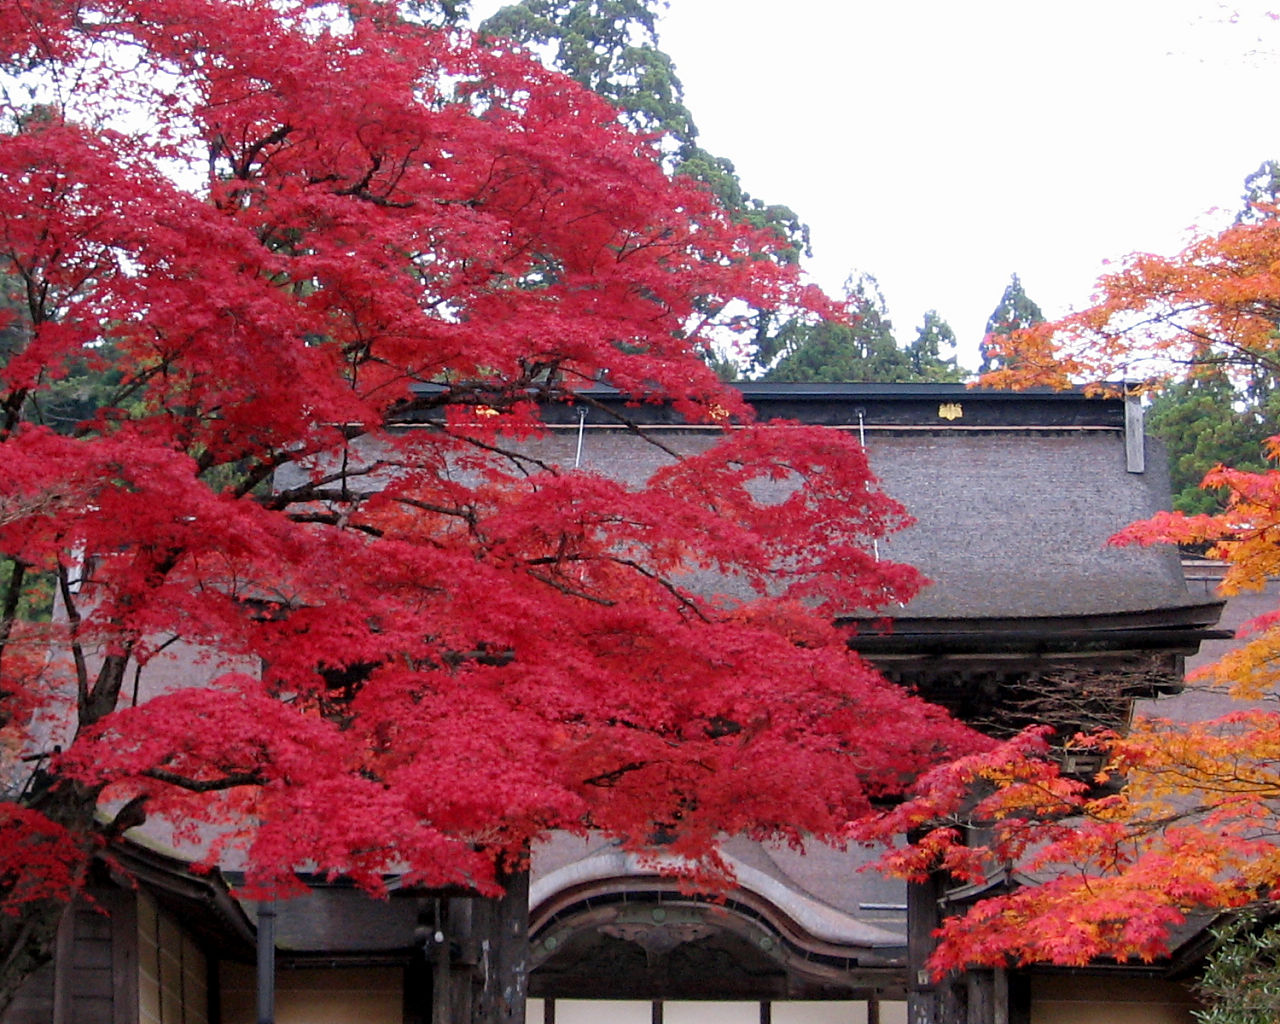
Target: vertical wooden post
{"points": [[266, 962], [988, 993], [922, 919], [929, 1002], [500, 929], [451, 981]]}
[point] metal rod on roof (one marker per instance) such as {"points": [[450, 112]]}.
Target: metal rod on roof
{"points": [[862, 440], [582, 424]]}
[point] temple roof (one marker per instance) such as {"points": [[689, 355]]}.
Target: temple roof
{"points": [[1015, 494]]}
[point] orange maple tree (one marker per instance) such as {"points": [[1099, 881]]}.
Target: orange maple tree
{"points": [[1187, 817], [326, 262]]}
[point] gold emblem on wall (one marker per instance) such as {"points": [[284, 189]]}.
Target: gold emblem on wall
{"points": [[950, 410]]}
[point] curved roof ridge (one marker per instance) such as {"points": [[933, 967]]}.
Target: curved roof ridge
{"points": [[819, 919]]}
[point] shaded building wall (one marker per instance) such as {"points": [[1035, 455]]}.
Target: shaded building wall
{"points": [[335, 995], [120, 959], [93, 979], [173, 972], [1075, 999]]}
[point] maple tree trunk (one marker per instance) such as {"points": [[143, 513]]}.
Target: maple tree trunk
{"points": [[28, 938], [26, 944]]}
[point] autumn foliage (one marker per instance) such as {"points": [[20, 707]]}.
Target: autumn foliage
{"points": [[1183, 819], [320, 266]]}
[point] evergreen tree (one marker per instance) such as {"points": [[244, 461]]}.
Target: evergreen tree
{"points": [[1206, 421], [1261, 189], [1241, 980], [612, 47], [864, 350], [933, 353], [1015, 311]]}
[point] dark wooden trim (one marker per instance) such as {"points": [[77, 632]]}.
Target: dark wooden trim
{"points": [[212, 985], [62, 971], [123, 908], [838, 404]]}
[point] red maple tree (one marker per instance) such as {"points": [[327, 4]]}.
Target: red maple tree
{"points": [[321, 265]]}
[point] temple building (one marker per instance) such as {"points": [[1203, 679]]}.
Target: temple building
{"points": [[1030, 617]]}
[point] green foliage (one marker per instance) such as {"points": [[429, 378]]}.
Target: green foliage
{"points": [[933, 353], [1015, 311], [70, 394], [14, 318], [611, 47], [864, 350], [29, 596], [1261, 188], [1241, 981], [1205, 422]]}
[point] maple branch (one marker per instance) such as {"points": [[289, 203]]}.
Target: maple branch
{"points": [[231, 780], [315, 490], [666, 584], [631, 425], [130, 386], [265, 466], [461, 512], [245, 166], [104, 694], [131, 815], [77, 650], [340, 519], [569, 591], [520, 460], [360, 190], [609, 779], [1247, 356]]}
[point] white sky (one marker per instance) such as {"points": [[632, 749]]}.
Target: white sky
{"points": [[943, 146]]}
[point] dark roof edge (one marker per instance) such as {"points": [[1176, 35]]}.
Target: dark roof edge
{"points": [[867, 405], [828, 390], [1194, 615], [207, 889]]}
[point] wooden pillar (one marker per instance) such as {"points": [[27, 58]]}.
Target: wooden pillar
{"points": [[480, 965], [930, 1002], [451, 962], [988, 997], [501, 929], [266, 974]]}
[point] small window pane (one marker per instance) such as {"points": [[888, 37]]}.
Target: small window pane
{"points": [[710, 1013], [601, 1011], [820, 1012], [893, 1013]]}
